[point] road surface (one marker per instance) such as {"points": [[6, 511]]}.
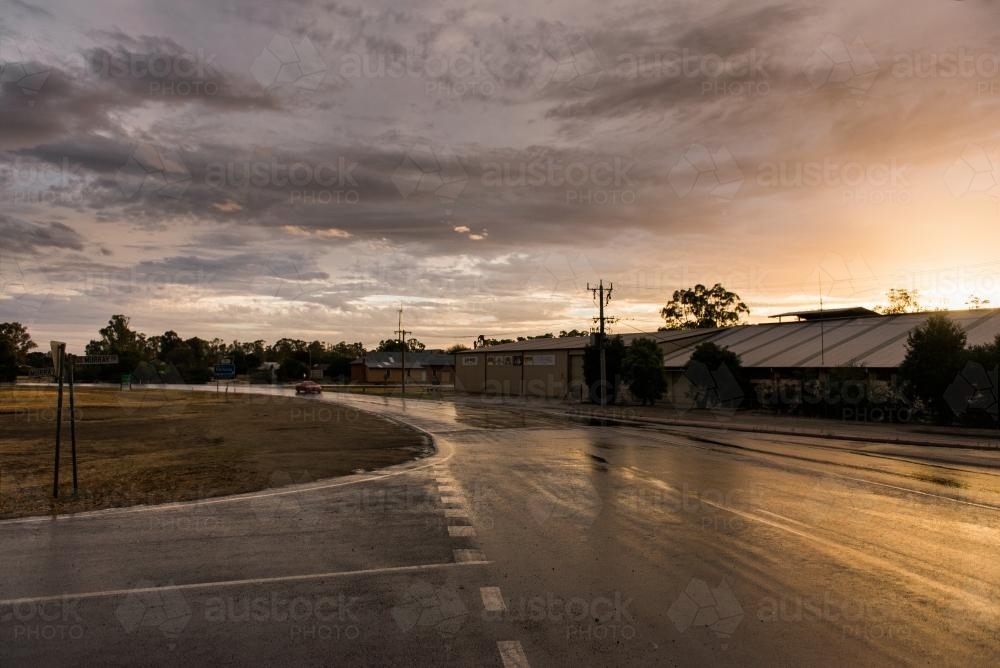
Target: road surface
{"points": [[531, 540]]}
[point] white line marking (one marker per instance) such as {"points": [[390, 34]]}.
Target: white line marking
{"points": [[512, 654], [454, 512], [447, 489], [461, 532], [782, 517], [453, 500], [389, 570], [492, 599], [469, 556]]}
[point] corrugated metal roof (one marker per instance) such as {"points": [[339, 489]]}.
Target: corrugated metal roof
{"points": [[877, 342], [581, 342], [414, 360], [872, 342]]}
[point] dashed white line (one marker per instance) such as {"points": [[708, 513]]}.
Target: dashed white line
{"points": [[461, 532], [455, 512], [453, 500], [512, 654], [492, 599]]}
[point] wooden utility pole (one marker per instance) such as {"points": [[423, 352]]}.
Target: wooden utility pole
{"points": [[603, 298], [402, 340]]}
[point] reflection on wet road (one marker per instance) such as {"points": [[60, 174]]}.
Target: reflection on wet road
{"points": [[832, 552], [529, 539]]}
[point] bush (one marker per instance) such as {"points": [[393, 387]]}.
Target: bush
{"points": [[643, 370]]}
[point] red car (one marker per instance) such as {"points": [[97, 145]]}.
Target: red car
{"points": [[308, 387]]}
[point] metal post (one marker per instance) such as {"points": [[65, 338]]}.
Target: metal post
{"points": [[59, 404], [72, 424]]}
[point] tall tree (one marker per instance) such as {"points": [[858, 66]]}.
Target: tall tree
{"points": [[901, 300], [118, 338], [394, 345], [935, 354], [18, 337], [15, 345], [703, 308], [482, 341]]}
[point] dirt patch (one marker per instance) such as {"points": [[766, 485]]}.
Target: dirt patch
{"points": [[154, 446]]}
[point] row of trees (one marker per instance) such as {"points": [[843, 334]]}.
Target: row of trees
{"points": [[191, 359]]}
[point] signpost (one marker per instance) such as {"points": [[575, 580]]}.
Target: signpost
{"points": [[225, 371], [59, 364], [58, 356]]}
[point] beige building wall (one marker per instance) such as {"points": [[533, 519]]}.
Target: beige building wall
{"points": [[534, 374]]}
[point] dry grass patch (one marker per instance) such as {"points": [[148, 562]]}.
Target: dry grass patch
{"points": [[153, 446]]}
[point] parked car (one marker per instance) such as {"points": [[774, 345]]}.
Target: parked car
{"points": [[308, 387]]}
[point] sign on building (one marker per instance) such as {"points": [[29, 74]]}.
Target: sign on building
{"points": [[470, 360], [503, 360], [539, 360]]}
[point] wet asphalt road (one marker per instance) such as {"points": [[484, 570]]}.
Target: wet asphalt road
{"points": [[531, 540]]}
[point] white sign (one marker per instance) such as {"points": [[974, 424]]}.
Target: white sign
{"points": [[56, 357], [96, 359], [470, 360], [539, 360]]}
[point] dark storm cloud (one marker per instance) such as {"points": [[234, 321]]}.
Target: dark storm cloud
{"points": [[24, 237], [31, 9], [149, 68]]}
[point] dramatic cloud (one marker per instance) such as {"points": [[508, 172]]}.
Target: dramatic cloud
{"points": [[255, 170]]}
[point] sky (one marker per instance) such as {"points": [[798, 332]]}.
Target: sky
{"points": [[250, 170]]}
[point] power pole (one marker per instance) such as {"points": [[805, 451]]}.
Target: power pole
{"points": [[603, 298], [402, 339]]}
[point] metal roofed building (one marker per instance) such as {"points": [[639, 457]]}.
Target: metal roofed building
{"points": [[811, 346], [387, 367]]}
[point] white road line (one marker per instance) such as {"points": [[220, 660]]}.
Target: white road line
{"points": [[782, 517], [447, 489], [461, 532], [455, 512], [389, 570], [453, 500], [512, 654], [492, 599], [469, 556]]}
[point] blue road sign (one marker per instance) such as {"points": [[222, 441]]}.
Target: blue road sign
{"points": [[225, 371]]}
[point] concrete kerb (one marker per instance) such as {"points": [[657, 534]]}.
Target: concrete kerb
{"points": [[435, 459]]}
